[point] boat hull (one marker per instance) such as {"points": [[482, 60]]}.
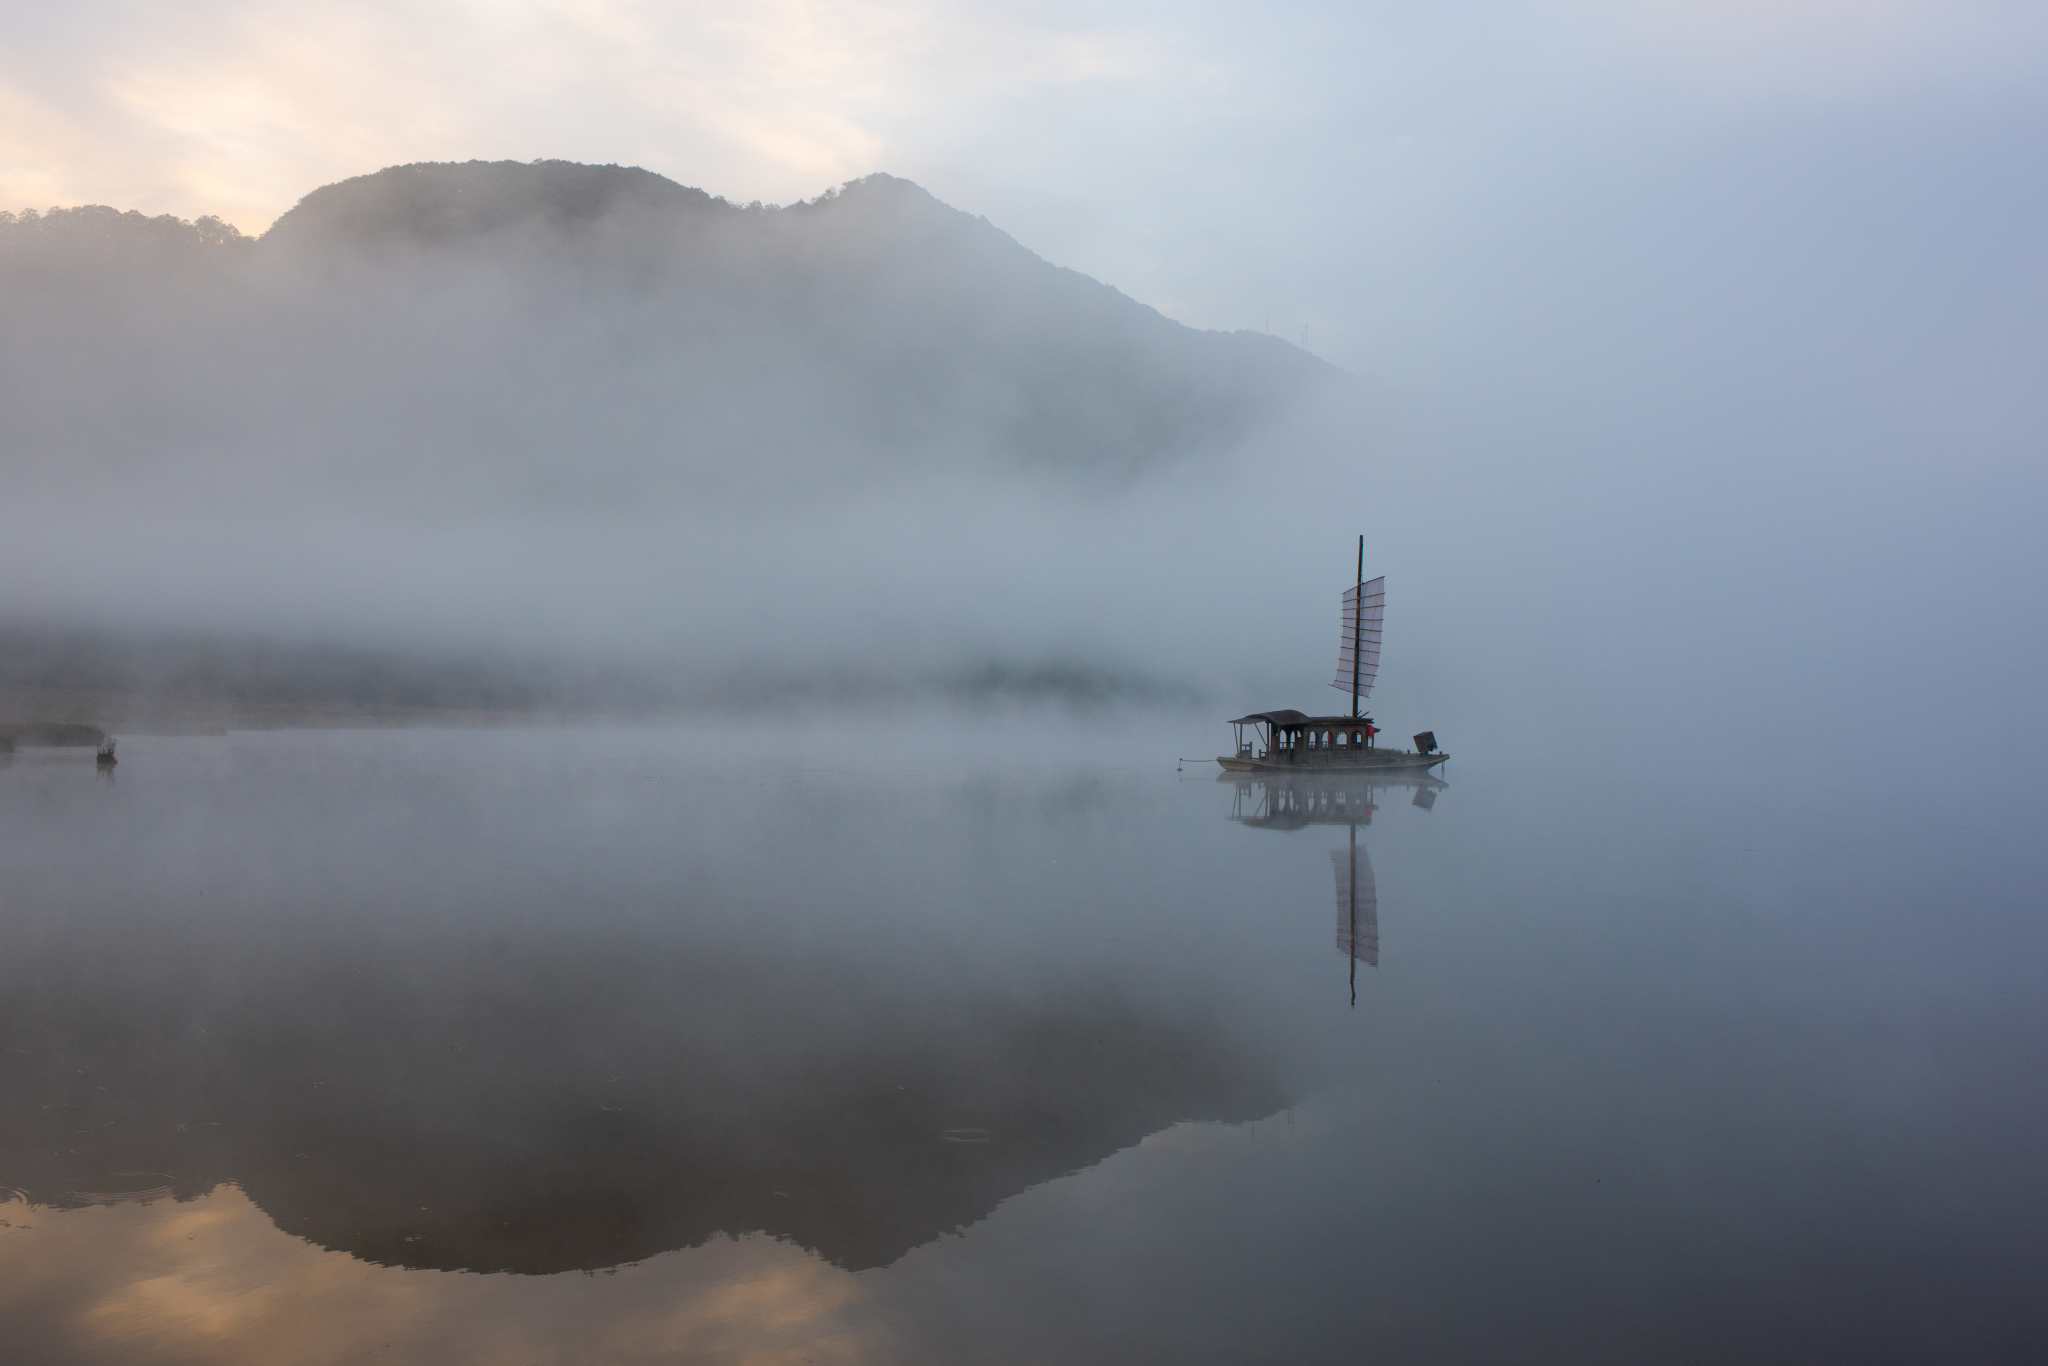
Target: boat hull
{"points": [[1373, 761]]}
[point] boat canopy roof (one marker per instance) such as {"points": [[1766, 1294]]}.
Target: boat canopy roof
{"points": [[1289, 720]]}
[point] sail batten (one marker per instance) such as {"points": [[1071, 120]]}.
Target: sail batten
{"points": [[1365, 607]]}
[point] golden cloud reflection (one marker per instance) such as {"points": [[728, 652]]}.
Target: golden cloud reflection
{"points": [[213, 1280]]}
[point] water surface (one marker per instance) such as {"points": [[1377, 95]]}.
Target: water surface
{"points": [[1004, 1041]]}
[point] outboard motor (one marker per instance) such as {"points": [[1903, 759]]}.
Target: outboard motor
{"points": [[1425, 743]]}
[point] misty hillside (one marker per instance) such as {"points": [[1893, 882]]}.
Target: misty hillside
{"points": [[498, 435], [504, 334]]}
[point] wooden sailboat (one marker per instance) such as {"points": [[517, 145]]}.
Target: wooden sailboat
{"points": [[1290, 741]]}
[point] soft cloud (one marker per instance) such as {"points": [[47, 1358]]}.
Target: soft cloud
{"points": [[239, 108]]}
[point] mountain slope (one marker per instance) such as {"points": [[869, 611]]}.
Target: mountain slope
{"points": [[501, 435], [549, 331]]}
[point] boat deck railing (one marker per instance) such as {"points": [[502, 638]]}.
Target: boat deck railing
{"points": [[1336, 754]]}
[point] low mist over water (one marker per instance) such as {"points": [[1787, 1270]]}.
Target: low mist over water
{"points": [[508, 436]]}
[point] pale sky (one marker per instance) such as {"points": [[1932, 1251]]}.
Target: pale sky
{"points": [[1283, 166]]}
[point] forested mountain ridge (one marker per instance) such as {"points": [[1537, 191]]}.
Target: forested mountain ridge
{"points": [[427, 202], [39, 236], [510, 332]]}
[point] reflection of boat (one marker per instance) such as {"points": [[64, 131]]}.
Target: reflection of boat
{"points": [[1293, 801], [1291, 741], [1290, 801]]}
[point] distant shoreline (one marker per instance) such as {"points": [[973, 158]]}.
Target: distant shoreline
{"points": [[122, 713]]}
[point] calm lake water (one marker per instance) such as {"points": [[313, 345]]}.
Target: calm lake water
{"points": [[1007, 1043]]}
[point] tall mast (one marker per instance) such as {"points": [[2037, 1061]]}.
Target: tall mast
{"points": [[1357, 626]]}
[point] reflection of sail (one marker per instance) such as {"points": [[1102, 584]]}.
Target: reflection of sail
{"points": [[1358, 905], [1364, 609]]}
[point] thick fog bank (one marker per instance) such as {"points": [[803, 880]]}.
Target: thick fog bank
{"points": [[567, 437], [443, 339], [499, 434]]}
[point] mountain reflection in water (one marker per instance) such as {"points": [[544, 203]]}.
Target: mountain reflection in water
{"points": [[442, 1088], [555, 1117]]}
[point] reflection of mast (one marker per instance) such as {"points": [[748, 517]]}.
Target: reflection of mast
{"points": [[1358, 908]]}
